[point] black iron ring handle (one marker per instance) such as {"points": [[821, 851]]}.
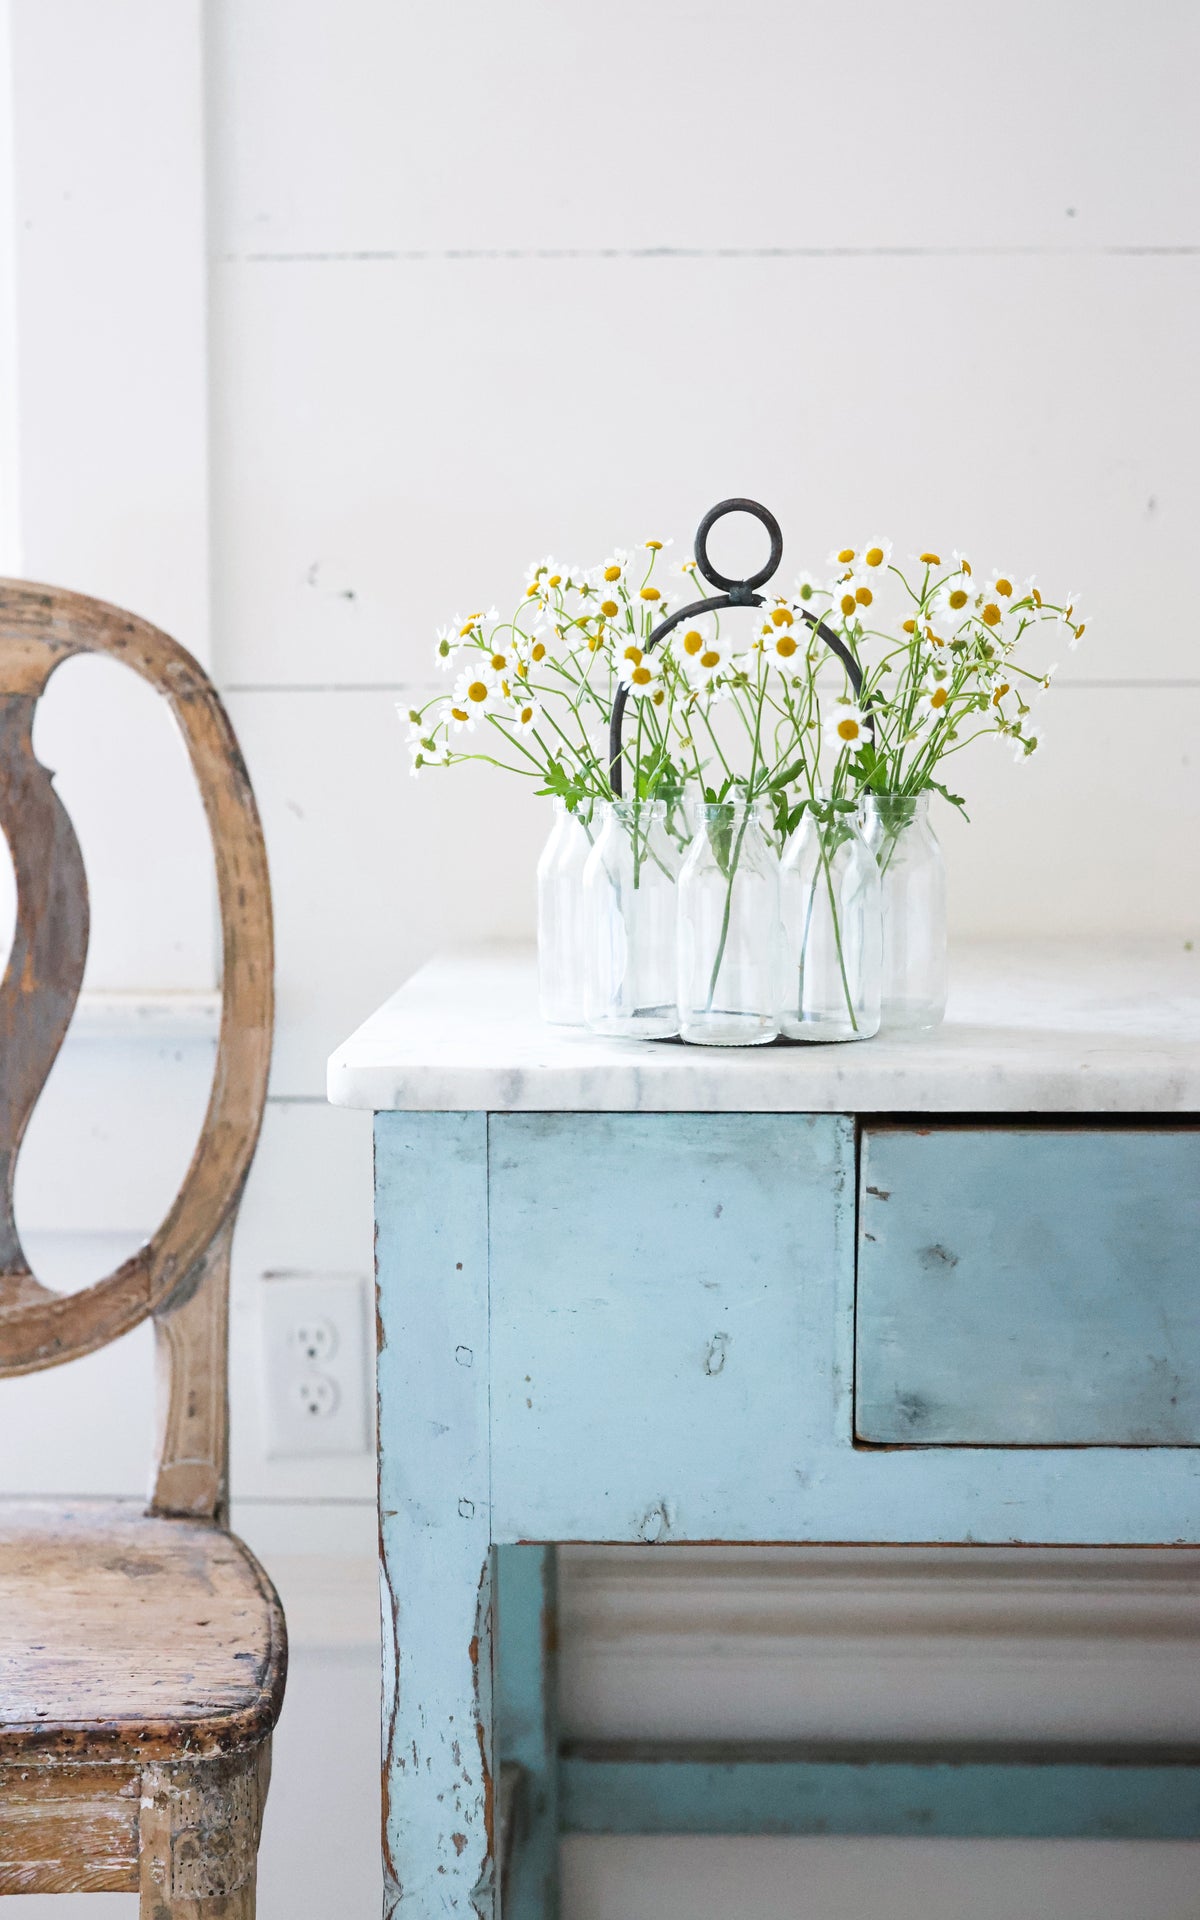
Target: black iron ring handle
{"points": [[739, 590], [736, 593]]}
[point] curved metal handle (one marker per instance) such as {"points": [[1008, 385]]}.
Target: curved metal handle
{"points": [[734, 593]]}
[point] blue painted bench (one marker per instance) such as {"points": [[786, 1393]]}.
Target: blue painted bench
{"points": [[941, 1291]]}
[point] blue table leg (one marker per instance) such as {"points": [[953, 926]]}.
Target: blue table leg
{"points": [[435, 1517], [527, 1722]]}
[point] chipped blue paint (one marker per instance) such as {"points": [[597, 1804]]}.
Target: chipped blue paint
{"points": [[999, 1799], [435, 1530], [640, 1328], [1022, 1286], [527, 1721]]}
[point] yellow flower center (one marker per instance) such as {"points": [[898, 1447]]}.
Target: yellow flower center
{"points": [[1000, 692], [538, 650], [1037, 598], [642, 676], [612, 573], [692, 641], [649, 593], [609, 609], [531, 589], [1004, 586], [1081, 629], [910, 626], [658, 696], [848, 729], [632, 653], [991, 615], [938, 697], [526, 715], [497, 661], [522, 670], [655, 546], [874, 556], [965, 567], [931, 559], [459, 714], [710, 659], [846, 556], [782, 616], [785, 646], [848, 604], [958, 599], [477, 691], [464, 631], [864, 596]]}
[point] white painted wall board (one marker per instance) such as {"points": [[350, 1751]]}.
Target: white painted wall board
{"points": [[86, 1428], [372, 870], [692, 123], [107, 108], [122, 772], [10, 502], [925, 1644], [113, 1134], [307, 1210], [395, 440], [709, 1879]]}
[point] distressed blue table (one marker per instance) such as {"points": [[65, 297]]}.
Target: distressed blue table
{"points": [[941, 1290]]}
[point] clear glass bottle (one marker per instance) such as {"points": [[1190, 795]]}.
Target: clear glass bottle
{"points": [[833, 931], [630, 894], [913, 880], [729, 929], [561, 933]]}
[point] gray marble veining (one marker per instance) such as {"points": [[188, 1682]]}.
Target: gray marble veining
{"points": [[1031, 1028]]}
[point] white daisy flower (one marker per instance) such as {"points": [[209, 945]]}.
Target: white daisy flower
{"points": [[927, 558], [714, 656], [960, 564], [782, 638], [1028, 742], [842, 557], [642, 675], [845, 724], [935, 703], [848, 600], [476, 692], [613, 570], [448, 649], [1003, 588], [874, 560], [657, 546], [526, 711], [951, 604], [807, 588]]}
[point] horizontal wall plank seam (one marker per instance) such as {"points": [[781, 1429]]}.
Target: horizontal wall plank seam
{"points": [[384, 255]]}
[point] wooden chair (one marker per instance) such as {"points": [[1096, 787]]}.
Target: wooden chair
{"points": [[142, 1654]]}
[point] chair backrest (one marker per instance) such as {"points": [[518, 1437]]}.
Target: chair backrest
{"points": [[181, 1275]]}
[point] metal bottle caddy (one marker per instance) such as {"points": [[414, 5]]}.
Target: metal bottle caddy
{"points": [[731, 593]]}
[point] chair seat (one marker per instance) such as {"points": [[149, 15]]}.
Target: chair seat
{"points": [[124, 1637]]}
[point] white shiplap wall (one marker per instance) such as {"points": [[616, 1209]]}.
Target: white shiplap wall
{"points": [[485, 281]]}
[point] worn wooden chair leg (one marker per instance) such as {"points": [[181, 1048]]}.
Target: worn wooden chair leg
{"points": [[199, 1833]]}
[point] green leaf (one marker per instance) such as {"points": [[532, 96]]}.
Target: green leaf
{"points": [[955, 799]]}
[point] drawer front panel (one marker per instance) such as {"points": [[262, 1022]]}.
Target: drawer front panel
{"points": [[1028, 1287], [671, 1299]]}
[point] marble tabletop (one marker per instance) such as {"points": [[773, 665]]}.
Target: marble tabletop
{"points": [[1031, 1028]]}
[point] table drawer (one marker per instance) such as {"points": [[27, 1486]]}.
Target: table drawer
{"points": [[1028, 1287]]}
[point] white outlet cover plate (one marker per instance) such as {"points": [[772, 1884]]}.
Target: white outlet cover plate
{"points": [[314, 1406]]}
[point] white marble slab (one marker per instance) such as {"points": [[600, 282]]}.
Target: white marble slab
{"points": [[1051, 1028]]}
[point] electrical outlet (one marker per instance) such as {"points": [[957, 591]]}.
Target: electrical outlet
{"points": [[315, 1365]]}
